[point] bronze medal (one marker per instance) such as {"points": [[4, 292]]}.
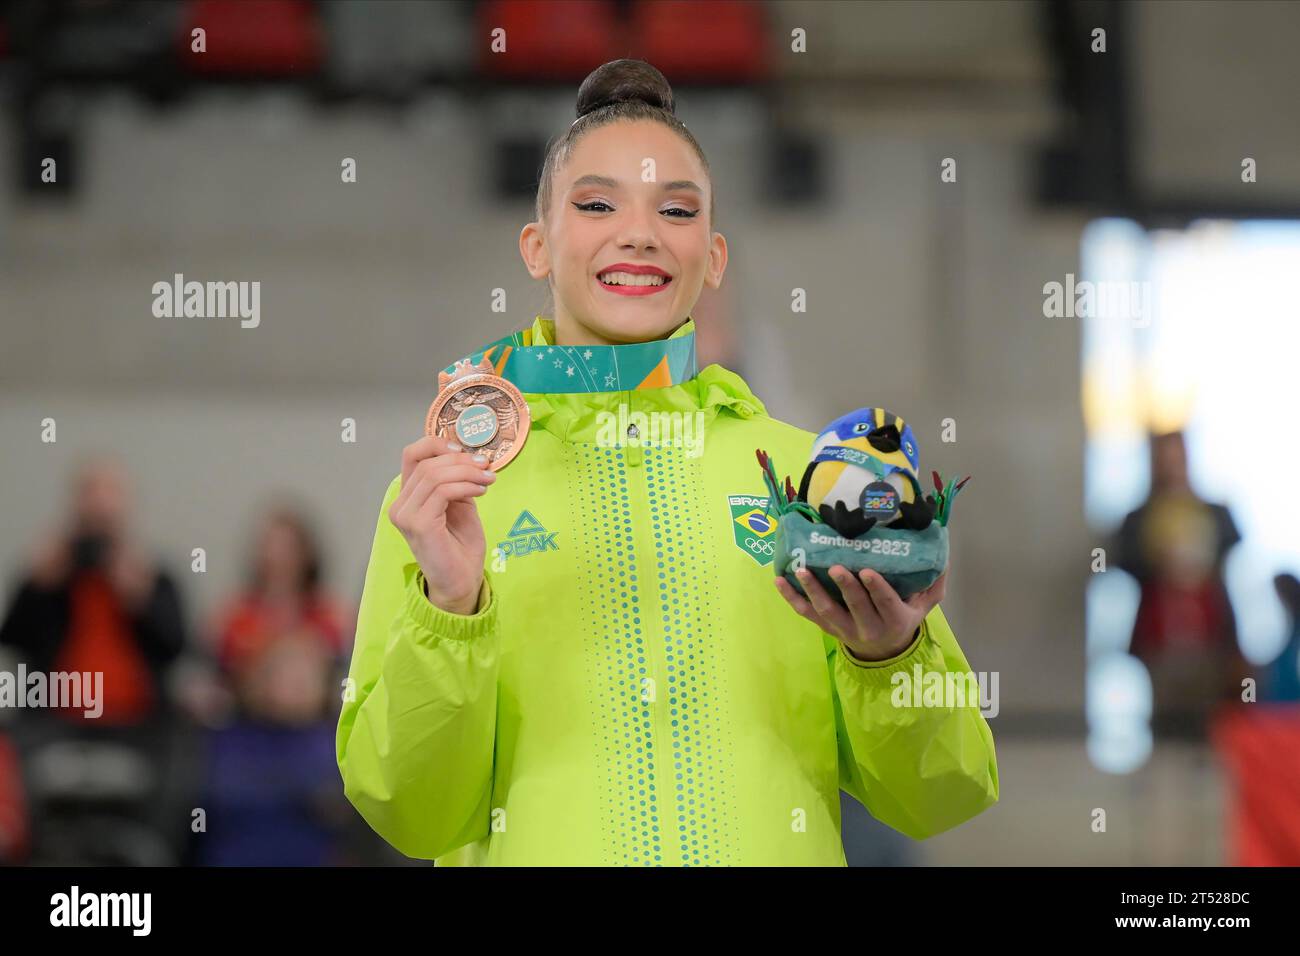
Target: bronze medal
{"points": [[481, 411]]}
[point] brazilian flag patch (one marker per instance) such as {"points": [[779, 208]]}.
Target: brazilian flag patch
{"points": [[755, 529]]}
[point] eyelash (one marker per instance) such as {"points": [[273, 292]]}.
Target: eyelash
{"points": [[586, 207]]}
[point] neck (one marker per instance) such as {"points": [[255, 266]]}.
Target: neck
{"points": [[568, 331]]}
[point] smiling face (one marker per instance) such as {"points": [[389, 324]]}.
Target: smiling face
{"points": [[603, 214]]}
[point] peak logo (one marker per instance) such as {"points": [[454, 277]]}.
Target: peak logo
{"points": [[526, 536]]}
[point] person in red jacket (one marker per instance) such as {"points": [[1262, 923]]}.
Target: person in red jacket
{"points": [[283, 596], [270, 782], [92, 601]]}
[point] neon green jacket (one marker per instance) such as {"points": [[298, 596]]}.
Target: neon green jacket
{"points": [[633, 689]]}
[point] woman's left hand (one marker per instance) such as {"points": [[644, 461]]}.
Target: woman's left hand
{"points": [[878, 623]]}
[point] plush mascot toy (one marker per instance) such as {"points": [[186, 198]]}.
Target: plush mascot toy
{"points": [[860, 504], [863, 472]]}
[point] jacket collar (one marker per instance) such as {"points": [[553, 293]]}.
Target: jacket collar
{"points": [[532, 361], [659, 375]]}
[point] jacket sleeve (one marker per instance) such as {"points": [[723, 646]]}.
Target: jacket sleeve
{"points": [[417, 728], [919, 769], [160, 623]]}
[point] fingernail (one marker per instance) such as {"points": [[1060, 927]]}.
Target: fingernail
{"points": [[481, 459], [452, 446], [802, 572]]}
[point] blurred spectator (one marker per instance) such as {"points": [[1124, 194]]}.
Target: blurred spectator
{"points": [[92, 601], [1282, 682], [271, 789], [272, 793], [1185, 631], [283, 594]]}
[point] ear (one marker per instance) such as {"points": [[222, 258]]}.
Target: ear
{"points": [[533, 248], [717, 260]]}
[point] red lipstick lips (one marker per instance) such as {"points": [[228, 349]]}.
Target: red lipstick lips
{"points": [[633, 286]]}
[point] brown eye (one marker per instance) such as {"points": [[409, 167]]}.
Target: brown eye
{"points": [[590, 206]]}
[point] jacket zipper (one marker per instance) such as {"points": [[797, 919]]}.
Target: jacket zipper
{"points": [[652, 634], [633, 451]]}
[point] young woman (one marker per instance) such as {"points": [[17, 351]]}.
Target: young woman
{"points": [[590, 663]]}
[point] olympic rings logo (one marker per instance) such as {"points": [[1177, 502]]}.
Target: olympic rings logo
{"points": [[760, 547]]}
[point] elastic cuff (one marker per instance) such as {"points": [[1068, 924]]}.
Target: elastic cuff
{"points": [[882, 671], [439, 623]]}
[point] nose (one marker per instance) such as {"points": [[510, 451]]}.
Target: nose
{"points": [[640, 229]]}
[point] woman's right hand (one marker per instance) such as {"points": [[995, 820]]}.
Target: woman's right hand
{"points": [[436, 514]]}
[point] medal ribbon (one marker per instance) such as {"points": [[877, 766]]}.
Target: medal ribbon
{"points": [[528, 359], [856, 456]]}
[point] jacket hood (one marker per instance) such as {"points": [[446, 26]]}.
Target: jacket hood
{"points": [[579, 416], [572, 390]]}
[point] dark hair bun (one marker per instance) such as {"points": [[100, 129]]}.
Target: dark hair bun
{"points": [[621, 80]]}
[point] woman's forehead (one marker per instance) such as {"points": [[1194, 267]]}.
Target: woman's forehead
{"points": [[620, 150]]}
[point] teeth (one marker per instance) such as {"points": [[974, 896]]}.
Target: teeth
{"points": [[627, 278]]}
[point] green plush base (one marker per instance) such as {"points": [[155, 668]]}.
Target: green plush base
{"points": [[927, 554]]}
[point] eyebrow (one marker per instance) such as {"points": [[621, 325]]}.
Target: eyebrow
{"points": [[592, 179]]}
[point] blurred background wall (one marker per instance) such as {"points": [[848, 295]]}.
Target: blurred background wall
{"points": [[827, 167]]}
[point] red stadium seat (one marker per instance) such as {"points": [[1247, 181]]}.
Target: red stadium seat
{"points": [[701, 41], [562, 40], [253, 37]]}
